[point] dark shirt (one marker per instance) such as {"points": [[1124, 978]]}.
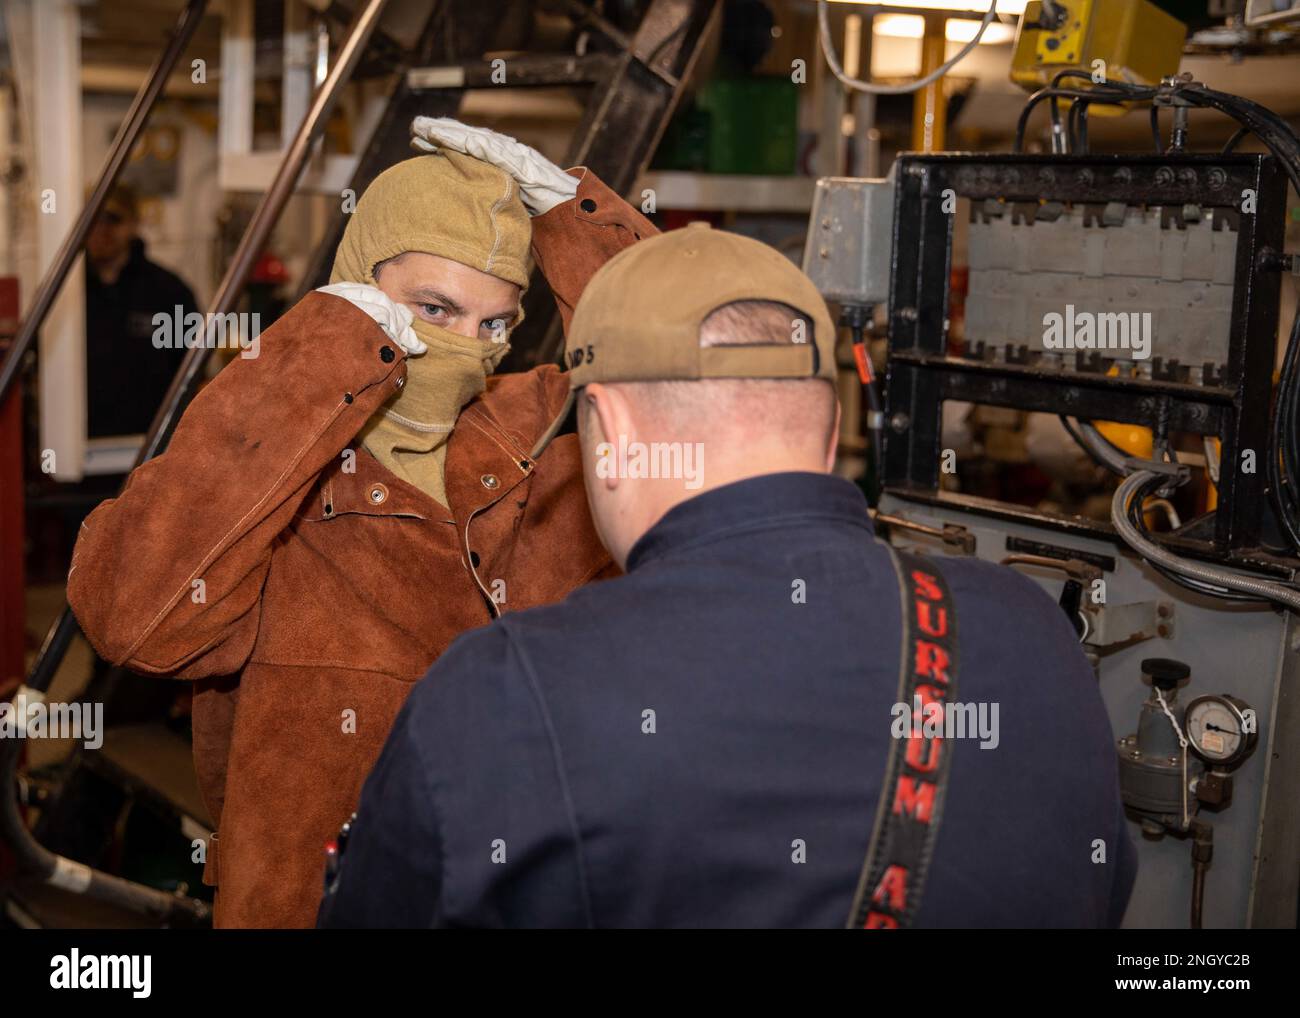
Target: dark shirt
{"points": [[520, 785], [126, 375]]}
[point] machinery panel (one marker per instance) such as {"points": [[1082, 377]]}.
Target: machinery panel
{"points": [[1253, 878], [1144, 280]]}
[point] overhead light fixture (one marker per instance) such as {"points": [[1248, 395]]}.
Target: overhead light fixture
{"points": [[912, 26], [1014, 7]]}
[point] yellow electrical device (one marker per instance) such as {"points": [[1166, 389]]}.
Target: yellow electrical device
{"points": [[1135, 41]]}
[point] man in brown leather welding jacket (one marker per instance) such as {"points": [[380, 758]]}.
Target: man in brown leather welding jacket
{"points": [[333, 512]]}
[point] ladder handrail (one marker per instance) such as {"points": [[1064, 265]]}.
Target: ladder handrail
{"points": [[263, 222], [34, 858]]}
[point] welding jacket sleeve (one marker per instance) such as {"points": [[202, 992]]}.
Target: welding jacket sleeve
{"points": [[577, 237], [167, 577]]}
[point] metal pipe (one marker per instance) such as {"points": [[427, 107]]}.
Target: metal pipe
{"points": [[1266, 590], [136, 117], [37, 861], [930, 105], [259, 228]]}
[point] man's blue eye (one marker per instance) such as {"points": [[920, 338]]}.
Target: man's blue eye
{"points": [[432, 309]]}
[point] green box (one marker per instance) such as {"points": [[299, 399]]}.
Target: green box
{"points": [[753, 125]]}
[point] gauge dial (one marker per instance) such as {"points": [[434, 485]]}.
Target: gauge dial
{"points": [[1220, 728]]}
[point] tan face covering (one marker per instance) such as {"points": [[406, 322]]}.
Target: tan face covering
{"points": [[409, 434], [456, 207]]}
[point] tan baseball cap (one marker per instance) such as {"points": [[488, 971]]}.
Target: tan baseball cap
{"points": [[639, 318]]}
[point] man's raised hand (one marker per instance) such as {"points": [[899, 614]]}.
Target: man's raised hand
{"points": [[542, 184], [395, 319]]}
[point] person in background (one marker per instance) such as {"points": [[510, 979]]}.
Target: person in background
{"points": [[126, 374]]}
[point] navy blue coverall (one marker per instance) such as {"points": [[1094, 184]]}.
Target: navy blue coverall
{"points": [[697, 743]]}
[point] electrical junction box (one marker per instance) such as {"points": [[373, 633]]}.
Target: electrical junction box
{"points": [[850, 239]]}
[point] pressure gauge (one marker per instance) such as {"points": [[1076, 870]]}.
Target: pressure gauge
{"points": [[1221, 729]]}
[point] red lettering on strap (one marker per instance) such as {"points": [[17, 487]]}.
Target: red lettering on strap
{"points": [[935, 624], [893, 887], [924, 754], [932, 660], [914, 798], [927, 586]]}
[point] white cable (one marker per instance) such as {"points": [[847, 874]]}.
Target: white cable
{"points": [[1182, 742], [828, 50], [1170, 512], [1211, 460]]}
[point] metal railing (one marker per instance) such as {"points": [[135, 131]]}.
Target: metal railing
{"points": [[36, 861]]}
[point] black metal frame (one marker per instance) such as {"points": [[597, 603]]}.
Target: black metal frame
{"points": [[921, 373]]}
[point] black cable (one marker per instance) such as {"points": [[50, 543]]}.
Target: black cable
{"points": [[1202, 853], [1060, 76], [857, 318], [1235, 140], [1078, 109], [1108, 93], [1083, 444], [1208, 590], [1137, 517], [1155, 127], [1072, 126]]}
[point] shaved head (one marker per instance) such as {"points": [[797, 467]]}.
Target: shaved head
{"points": [[734, 428], [740, 408]]}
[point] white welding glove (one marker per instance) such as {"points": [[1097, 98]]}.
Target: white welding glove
{"points": [[542, 184], [395, 319]]}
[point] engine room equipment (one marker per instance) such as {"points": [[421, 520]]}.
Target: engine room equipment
{"points": [[1153, 775], [1142, 289], [1135, 40], [1122, 237], [1161, 786], [1221, 729], [847, 257]]}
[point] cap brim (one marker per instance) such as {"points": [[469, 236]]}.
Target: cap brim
{"points": [[556, 425]]}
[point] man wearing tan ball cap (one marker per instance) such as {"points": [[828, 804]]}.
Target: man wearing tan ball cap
{"points": [[332, 513], [656, 301], [702, 741]]}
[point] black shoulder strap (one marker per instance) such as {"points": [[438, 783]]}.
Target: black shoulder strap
{"points": [[916, 773]]}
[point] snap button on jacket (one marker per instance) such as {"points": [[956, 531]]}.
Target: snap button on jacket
{"points": [[306, 588]]}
